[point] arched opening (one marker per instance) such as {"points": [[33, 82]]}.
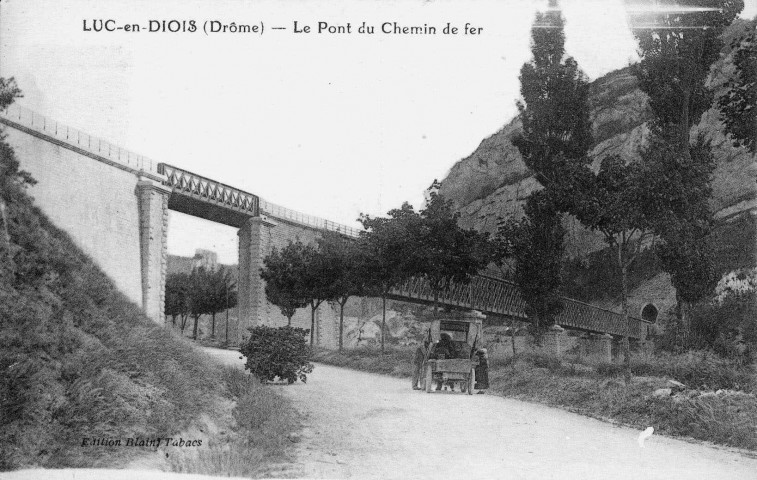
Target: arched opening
{"points": [[649, 313]]}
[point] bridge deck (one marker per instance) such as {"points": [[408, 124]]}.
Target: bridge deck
{"points": [[495, 296], [216, 201]]}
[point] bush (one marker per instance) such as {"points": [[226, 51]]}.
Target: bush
{"points": [[701, 370], [727, 328], [278, 352]]}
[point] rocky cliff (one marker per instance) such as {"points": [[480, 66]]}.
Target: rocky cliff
{"points": [[493, 182]]}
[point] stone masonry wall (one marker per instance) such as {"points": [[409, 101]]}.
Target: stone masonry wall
{"points": [[93, 202], [256, 240], [107, 199]]}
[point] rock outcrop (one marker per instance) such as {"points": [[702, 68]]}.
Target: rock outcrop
{"points": [[493, 182]]}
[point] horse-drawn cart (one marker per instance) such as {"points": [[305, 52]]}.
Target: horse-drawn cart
{"points": [[451, 355]]}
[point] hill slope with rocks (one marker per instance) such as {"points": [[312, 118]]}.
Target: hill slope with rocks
{"points": [[493, 182]]}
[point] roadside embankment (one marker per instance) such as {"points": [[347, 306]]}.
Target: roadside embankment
{"points": [[716, 402], [88, 381]]}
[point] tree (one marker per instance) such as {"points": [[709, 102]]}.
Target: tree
{"points": [[612, 202], [447, 253], [177, 298], [390, 249], [677, 52], [677, 194], [315, 282], [535, 242], [347, 278], [222, 293], [283, 273], [199, 295], [554, 113], [677, 49], [738, 106]]}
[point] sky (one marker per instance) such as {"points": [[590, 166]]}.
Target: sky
{"points": [[329, 124]]}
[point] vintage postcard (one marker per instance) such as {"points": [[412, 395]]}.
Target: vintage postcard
{"points": [[378, 239]]}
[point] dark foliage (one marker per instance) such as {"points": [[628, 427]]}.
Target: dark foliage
{"points": [[445, 252], [555, 109], [283, 272], [348, 276], [536, 244], [556, 131], [738, 105], [177, 299], [277, 352], [391, 254], [678, 202], [676, 60], [727, 328]]}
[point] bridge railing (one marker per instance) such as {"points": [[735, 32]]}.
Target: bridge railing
{"points": [[277, 211], [197, 186], [28, 119], [497, 296]]}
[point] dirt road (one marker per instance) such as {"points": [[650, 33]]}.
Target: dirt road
{"points": [[362, 425]]}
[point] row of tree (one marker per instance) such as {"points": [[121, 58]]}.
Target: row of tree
{"points": [[201, 292], [390, 250], [661, 200]]}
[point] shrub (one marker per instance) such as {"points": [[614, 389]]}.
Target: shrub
{"points": [[278, 352], [727, 327]]}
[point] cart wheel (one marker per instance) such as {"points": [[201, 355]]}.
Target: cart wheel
{"points": [[471, 381], [429, 379]]}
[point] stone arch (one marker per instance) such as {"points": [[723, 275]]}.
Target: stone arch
{"points": [[649, 312]]}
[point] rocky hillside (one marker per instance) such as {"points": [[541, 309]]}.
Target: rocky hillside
{"points": [[493, 182]]}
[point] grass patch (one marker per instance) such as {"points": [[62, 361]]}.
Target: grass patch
{"points": [[259, 436], [79, 360], [727, 418], [396, 362]]}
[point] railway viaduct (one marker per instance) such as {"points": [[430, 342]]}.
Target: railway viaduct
{"points": [[114, 204]]}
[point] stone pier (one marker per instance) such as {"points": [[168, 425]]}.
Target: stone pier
{"points": [[596, 348], [153, 231], [553, 341], [254, 244]]}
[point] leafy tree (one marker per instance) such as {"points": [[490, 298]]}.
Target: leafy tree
{"points": [[554, 113], [612, 203], [277, 352], [677, 50], [535, 242], [389, 246], [347, 264], [222, 293], [316, 282], [677, 196], [177, 298], [738, 106], [447, 253], [676, 55], [200, 296], [283, 273]]}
